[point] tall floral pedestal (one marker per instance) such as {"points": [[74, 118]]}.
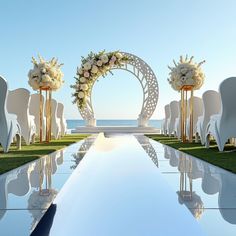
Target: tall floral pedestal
{"points": [[186, 91], [48, 113]]}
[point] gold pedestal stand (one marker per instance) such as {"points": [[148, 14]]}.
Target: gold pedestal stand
{"points": [[186, 184], [48, 113], [45, 171], [184, 112]]}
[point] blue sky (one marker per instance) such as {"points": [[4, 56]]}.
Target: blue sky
{"points": [[157, 31]]}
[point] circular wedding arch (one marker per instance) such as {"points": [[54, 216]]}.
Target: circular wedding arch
{"points": [[145, 75]]}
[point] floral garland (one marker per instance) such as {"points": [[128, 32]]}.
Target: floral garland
{"points": [[93, 66], [46, 74], [186, 73]]}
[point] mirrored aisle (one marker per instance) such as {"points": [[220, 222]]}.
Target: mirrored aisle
{"points": [[28, 191], [207, 191]]}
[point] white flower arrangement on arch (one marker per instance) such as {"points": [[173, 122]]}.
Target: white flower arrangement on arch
{"points": [[93, 66], [186, 73], [45, 74]]}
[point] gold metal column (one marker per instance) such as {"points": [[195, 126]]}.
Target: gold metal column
{"points": [[185, 111], [48, 113], [40, 116]]}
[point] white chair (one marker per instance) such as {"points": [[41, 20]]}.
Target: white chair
{"points": [[174, 113], [211, 106], [177, 129], [18, 103], [9, 127], [197, 111], [167, 116], [56, 125], [34, 107], [223, 126], [60, 115]]}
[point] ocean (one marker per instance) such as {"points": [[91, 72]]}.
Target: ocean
{"points": [[72, 124]]}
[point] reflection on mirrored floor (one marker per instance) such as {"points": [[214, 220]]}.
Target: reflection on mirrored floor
{"points": [[207, 191], [28, 191], [141, 176]]}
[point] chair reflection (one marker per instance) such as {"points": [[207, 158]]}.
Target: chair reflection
{"points": [[87, 143], [34, 179]]}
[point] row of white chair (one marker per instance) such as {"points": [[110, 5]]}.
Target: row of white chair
{"points": [[19, 116], [214, 115]]}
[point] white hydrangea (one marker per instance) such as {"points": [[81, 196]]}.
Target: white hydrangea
{"points": [[45, 74], [186, 73]]}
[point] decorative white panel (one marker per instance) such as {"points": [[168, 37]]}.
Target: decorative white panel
{"points": [[143, 72]]}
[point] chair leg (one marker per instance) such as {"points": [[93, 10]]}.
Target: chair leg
{"points": [[207, 141], [18, 142]]}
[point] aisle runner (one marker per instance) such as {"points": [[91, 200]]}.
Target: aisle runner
{"points": [[117, 190]]}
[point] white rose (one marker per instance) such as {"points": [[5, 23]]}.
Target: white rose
{"points": [[87, 66], [80, 71], [46, 78], [99, 63], [84, 87], [119, 55], [104, 58], [82, 80], [81, 94], [86, 74], [94, 69]]}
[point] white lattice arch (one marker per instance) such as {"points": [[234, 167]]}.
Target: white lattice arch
{"points": [[143, 72]]}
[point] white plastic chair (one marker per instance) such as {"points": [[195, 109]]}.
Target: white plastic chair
{"points": [[223, 126], [9, 127], [60, 115], [197, 112], [56, 125], [177, 129], [211, 106], [34, 107], [174, 113], [167, 116], [18, 103]]}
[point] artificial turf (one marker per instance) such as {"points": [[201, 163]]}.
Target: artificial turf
{"points": [[225, 159], [15, 158]]}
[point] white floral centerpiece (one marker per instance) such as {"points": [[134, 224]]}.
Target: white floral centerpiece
{"points": [[186, 73], [93, 66], [45, 74]]}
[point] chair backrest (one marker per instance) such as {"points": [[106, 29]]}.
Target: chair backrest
{"points": [[35, 104], [227, 91], [34, 109], [54, 108], [3, 97], [18, 103], [60, 110], [174, 110], [197, 109], [211, 105], [167, 111]]}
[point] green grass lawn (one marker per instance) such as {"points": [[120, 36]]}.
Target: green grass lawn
{"points": [[225, 160], [15, 158]]}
